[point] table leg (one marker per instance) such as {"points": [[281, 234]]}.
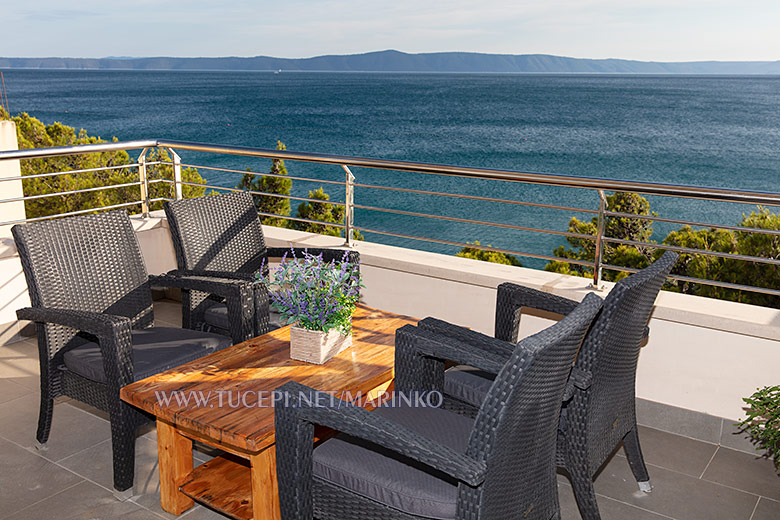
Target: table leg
{"points": [[175, 456], [265, 494]]}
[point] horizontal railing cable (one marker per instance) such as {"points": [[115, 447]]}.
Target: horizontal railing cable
{"points": [[79, 212], [263, 193], [228, 170], [692, 223], [479, 222], [690, 250], [72, 192], [475, 246], [69, 172], [476, 197]]}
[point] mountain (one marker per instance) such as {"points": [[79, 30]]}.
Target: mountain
{"points": [[395, 61]]}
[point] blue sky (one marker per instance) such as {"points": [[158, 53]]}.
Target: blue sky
{"points": [[663, 30]]}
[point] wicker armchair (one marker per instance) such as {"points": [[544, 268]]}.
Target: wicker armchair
{"points": [[599, 411], [92, 304], [405, 461], [221, 236]]}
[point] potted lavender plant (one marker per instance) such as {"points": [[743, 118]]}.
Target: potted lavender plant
{"points": [[318, 299]]}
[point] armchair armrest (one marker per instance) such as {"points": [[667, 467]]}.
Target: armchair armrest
{"points": [[468, 336], [327, 254], [434, 344], [227, 275], [420, 357], [95, 323], [512, 298], [113, 333], [247, 302], [224, 287], [299, 403]]}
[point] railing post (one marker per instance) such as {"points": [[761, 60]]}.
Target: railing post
{"points": [[177, 188], [144, 180], [598, 259], [349, 209]]}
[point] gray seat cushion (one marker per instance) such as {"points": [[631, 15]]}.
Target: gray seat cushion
{"points": [[154, 350], [468, 384], [217, 316], [391, 479]]}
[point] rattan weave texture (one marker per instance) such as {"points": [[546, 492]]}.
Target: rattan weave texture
{"points": [[87, 282], [599, 412], [508, 469], [221, 236]]}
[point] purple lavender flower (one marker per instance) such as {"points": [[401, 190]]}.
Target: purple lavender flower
{"points": [[318, 295]]}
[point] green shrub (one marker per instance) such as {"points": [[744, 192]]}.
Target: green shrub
{"points": [[763, 420]]}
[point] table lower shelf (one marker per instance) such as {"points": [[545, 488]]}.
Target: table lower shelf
{"points": [[224, 484]]}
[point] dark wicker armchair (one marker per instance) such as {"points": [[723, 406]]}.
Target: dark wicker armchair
{"points": [[221, 236], [406, 462], [599, 411], [92, 304]]}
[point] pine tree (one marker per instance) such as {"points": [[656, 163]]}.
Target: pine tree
{"points": [[267, 184], [323, 212]]}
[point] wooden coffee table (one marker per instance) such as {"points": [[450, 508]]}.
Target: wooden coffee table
{"points": [[223, 411]]}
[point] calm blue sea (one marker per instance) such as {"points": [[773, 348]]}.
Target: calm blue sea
{"points": [[711, 131]]}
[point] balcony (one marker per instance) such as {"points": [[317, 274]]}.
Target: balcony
{"points": [[702, 357]]}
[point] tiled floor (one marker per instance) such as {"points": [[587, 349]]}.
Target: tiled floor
{"points": [[72, 479]]}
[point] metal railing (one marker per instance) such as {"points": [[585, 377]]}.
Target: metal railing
{"points": [[597, 185]]}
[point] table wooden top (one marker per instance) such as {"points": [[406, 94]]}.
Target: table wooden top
{"points": [[261, 365]]}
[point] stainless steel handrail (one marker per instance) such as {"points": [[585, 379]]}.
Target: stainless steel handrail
{"points": [[599, 185], [592, 183]]}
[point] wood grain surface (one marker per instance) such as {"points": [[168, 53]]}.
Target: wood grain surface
{"points": [[261, 365]]}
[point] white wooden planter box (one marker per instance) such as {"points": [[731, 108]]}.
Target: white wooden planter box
{"points": [[315, 346]]}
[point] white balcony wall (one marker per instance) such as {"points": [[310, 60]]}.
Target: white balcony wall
{"points": [[703, 355]]}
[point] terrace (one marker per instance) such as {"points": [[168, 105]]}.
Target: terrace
{"points": [[702, 356]]}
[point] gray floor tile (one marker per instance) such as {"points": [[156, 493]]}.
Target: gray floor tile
{"points": [[671, 419], [10, 390], [201, 453], [19, 364], [767, 510], [674, 452], [743, 471], [732, 437], [95, 464], [151, 501], [674, 494], [73, 430], [203, 513], [91, 410], [609, 509], [167, 311], [85, 501], [27, 478]]}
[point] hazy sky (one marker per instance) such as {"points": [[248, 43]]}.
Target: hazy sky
{"points": [[665, 30]]}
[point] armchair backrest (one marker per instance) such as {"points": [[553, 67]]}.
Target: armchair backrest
{"points": [[515, 429], [217, 233], [88, 263], [610, 353]]}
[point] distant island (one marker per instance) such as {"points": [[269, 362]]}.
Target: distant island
{"points": [[396, 61]]}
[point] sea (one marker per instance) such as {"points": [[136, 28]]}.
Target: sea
{"points": [[720, 131]]}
